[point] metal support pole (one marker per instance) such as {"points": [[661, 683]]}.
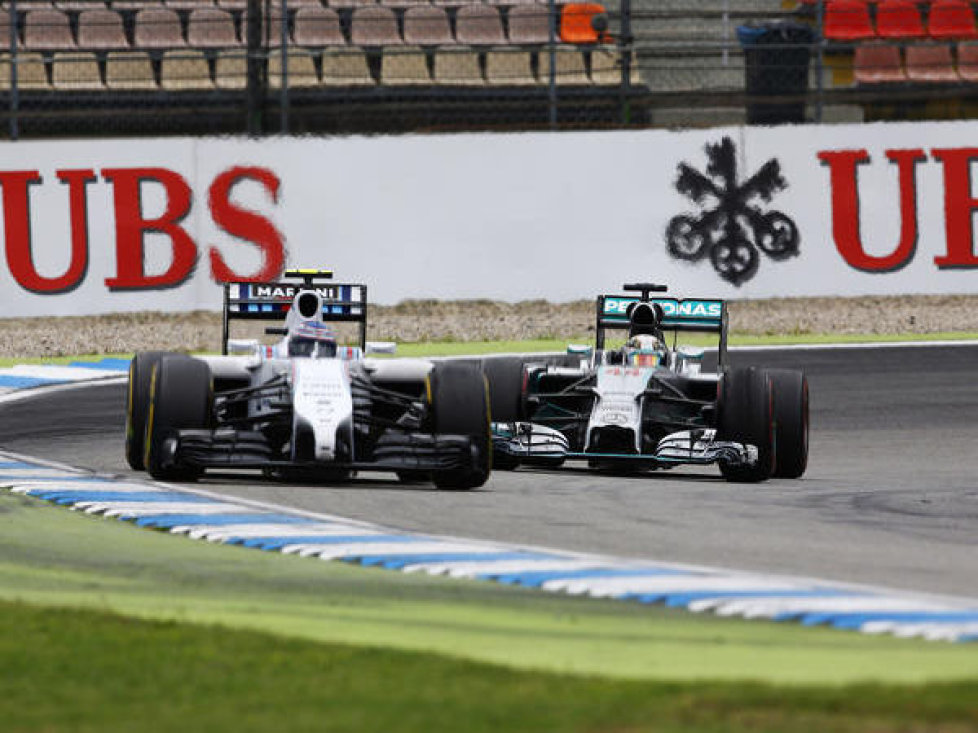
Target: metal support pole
{"points": [[283, 104], [255, 90], [14, 90], [726, 33], [625, 47], [820, 63], [552, 50]]}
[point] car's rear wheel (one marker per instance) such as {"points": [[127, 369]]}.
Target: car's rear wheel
{"points": [[745, 414], [791, 422], [181, 398], [459, 397], [137, 405]]}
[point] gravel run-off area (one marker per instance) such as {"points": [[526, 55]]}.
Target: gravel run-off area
{"points": [[480, 320]]}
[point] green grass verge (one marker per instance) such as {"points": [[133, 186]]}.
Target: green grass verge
{"points": [[104, 627], [52, 557], [464, 348], [87, 671]]}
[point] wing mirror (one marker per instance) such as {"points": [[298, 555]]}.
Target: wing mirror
{"points": [[243, 347], [380, 347]]}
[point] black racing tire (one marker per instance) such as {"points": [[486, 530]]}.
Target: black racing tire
{"points": [[791, 422], [137, 405], [181, 398], [504, 375], [745, 414], [459, 401]]}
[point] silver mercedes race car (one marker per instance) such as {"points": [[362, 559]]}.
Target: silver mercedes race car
{"points": [[306, 408], [649, 405]]}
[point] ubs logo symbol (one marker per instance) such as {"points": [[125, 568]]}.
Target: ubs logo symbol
{"points": [[731, 227]]}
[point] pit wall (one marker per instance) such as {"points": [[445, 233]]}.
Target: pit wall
{"points": [[125, 225]]}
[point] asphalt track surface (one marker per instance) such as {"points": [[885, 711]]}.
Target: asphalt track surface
{"points": [[890, 497]]}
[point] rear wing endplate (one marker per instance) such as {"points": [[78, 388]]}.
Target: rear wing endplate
{"points": [[342, 302], [691, 314]]}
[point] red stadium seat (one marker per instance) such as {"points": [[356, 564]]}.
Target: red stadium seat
{"points": [[931, 64], [950, 19], [968, 61], [877, 63], [847, 20], [898, 19]]}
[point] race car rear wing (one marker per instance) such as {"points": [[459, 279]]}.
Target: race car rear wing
{"points": [[342, 302], [697, 315]]}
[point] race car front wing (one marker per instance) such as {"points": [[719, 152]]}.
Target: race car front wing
{"points": [[528, 442]]}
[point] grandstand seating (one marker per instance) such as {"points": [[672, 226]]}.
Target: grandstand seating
{"points": [[479, 25], [301, 69], [878, 63], [951, 19], [407, 65], [158, 28], [427, 26], [374, 26], [47, 30], [509, 67], [529, 24], [899, 19], [76, 71], [317, 26], [847, 20], [458, 66], [129, 70], [930, 63], [968, 62]]}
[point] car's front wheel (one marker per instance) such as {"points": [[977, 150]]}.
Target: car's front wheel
{"points": [[459, 399], [745, 414], [181, 398]]}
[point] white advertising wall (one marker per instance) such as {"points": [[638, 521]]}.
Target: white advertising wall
{"points": [[123, 225]]}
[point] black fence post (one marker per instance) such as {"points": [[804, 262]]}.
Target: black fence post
{"points": [[255, 92], [552, 52], [14, 91], [625, 42]]}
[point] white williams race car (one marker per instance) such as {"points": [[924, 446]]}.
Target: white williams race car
{"points": [[306, 408], [646, 405]]}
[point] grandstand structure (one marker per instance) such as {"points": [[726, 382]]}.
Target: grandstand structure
{"points": [[92, 67]]}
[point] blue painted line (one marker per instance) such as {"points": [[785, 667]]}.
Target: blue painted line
{"points": [[74, 497], [277, 543], [536, 578], [4, 465], [166, 521], [684, 599], [108, 365], [397, 562], [857, 619], [52, 479], [9, 380]]}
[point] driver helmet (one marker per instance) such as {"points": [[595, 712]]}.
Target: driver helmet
{"points": [[644, 350], [312, 339]]}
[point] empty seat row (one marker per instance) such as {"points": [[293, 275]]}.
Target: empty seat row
{"points": [[104, 29], [879, 63], [80, 5], [850, 20], [190, 69], [312, 26]]}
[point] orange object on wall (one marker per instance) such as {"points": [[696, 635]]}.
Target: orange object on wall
{"points": [[575, 23]]}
